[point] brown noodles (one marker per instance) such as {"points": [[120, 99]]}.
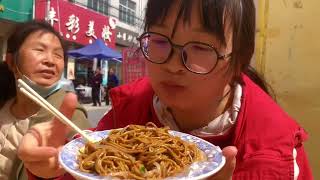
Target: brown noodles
{"points": [[139, 152]]}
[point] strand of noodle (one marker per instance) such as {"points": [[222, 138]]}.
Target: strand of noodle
{"points": [[117, 158], [126, 175], [99, 168], [123, 149]]}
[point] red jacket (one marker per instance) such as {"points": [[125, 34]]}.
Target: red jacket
{"points": [[264, 134]]}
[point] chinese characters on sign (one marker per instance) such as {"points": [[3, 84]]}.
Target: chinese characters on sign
{"points": [[51, 17], [126, 37], [76, 23], [90, 32], [106, 33], [73, 26]]}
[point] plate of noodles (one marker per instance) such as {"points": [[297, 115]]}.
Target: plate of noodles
{"points": [[141, 152]]}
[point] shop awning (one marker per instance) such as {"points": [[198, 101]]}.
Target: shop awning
{"points": [[98, 50], [17, 11]]}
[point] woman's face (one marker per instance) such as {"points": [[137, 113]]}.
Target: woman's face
{"points": [[111, 71], [172, 82], [41, 58]]}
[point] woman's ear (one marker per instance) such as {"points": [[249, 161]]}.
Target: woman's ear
{"points": [[11, 62]]}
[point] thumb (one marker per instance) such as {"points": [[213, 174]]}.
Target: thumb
{"points": [[67, 108], [226, 172], [230, 153]]}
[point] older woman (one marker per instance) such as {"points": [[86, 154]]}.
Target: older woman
{"points": [[36, 54]]}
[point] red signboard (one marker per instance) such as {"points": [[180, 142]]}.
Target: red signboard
{"points": [[76, 23], [133, 65]]}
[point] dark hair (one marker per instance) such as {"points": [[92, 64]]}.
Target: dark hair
{"points": [[7, 81], [15, 41], [215, 14]]}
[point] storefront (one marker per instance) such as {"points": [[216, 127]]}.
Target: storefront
{"points": [[79, 26], [124, 39], [12, 13]]}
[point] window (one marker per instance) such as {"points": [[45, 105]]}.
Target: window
{"points": [[99, 6], [127, 11]]}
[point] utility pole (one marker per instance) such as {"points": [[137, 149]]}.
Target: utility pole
{"points": [[33, 9], [48, 10]]}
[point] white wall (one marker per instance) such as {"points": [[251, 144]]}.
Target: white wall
{"points": [[140, 11]]}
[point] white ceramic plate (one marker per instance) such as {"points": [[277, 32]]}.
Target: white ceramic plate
{"points": [[200, 170]]}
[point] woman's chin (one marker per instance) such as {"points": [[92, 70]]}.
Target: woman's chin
{"points": [[46, 82], [176, 104]]}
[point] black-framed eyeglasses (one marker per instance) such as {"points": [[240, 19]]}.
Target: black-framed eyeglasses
{"points": [[197, 57]]}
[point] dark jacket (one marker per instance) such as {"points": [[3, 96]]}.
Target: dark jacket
{"points": [[96, 81], [112, 81]]}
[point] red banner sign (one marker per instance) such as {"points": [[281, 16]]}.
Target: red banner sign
{"points": [[133, 65], [76, 23]]}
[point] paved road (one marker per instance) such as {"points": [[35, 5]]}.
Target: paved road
{"points": [[95, 113]]}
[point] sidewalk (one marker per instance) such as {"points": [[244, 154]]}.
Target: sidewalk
{"points": [[95, 113], [90, 107]]}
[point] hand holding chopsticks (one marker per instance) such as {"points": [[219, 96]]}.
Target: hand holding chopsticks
{"points": [[29, 92]]}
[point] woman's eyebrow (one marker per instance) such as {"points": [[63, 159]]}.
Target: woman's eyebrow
{"points": [[38, 43], [201, 30], [46, 46], [58, 50]]}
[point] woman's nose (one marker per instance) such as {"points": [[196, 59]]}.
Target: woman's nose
{"points": [[49, 59], [174, 64]]}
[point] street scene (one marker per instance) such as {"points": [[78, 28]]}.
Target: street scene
{"points": [[235, 81], [96, 113]]}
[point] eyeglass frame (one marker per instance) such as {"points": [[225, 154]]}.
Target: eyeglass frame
{"points": [[181, 47]]}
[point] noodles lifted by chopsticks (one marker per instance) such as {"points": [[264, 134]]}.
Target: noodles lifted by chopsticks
{"points": [[139, 152]]}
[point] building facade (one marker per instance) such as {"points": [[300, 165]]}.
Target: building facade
{"points": [[77, 24], [130, 15]]}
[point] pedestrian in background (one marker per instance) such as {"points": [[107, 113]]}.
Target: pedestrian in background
{"points": [[113, 81], [96, 84]]}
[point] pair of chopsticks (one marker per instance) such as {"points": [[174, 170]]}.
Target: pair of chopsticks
{"points": [[33, 95]]}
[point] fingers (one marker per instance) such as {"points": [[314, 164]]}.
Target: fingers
{"points": [[39, 147], [38, 154], [67, 108], [69, 104], [230, 153], [29, 151], [52, 168], [226, 172]]}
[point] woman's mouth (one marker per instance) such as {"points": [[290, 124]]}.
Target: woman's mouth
{"points": [[47, 73], [172, 87]]}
